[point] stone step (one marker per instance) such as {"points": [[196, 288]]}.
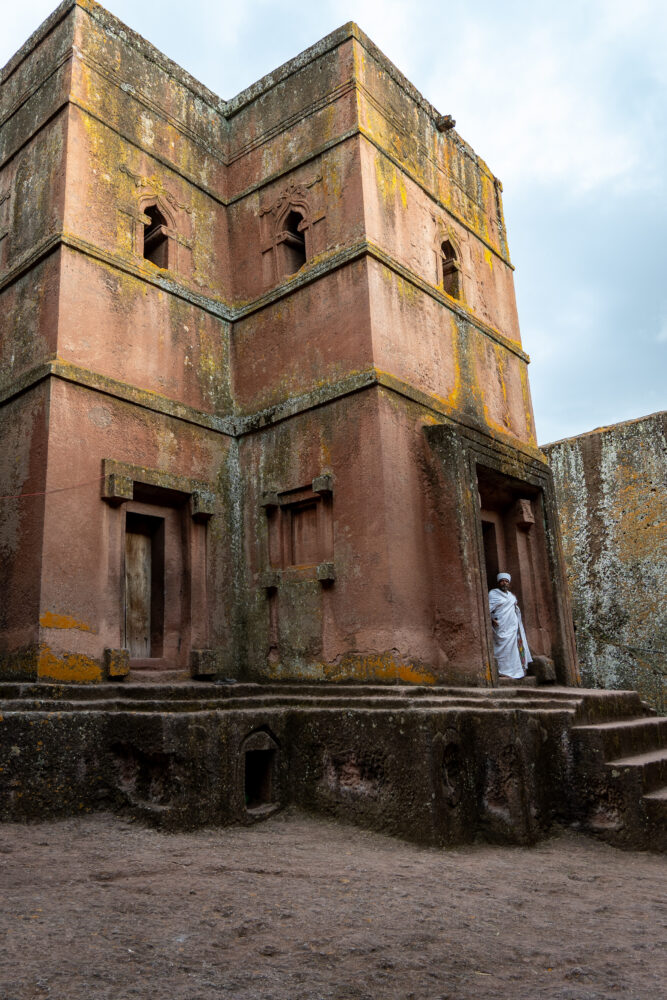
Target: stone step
{"points": [[386, 703], [101, 692], [141, 688], [625, 737], [605, 706], [597, 703], [158, 677], [199, 691], [380, 706], [593, 703], [517, 682], [258, 700], [650, 768], [657, 795]]}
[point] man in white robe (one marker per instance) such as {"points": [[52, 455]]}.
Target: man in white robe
{"points": [[510, 646]]}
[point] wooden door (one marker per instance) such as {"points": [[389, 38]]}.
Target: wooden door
{"points": [[138, 594]]}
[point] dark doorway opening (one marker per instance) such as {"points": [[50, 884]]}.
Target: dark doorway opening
{"points": [[514, 542], [491, 559], [144, 585], [259, 766]]}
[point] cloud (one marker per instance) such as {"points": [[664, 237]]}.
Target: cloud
{"points": [[18, 23], [556, 96]]}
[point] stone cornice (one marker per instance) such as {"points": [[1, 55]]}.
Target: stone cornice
{"points": [[45, 28], [240, 425], [32, 90], [145, 398], [333, 260], [231, 313], [160, 279]]}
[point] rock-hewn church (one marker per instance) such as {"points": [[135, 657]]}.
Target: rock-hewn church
{"points": [[266, 418], [263, 375]]}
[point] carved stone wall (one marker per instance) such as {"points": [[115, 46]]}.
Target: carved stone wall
{"points": [[611, 489]]}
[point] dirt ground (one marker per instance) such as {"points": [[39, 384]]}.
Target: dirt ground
{"points": [[299, 908]]}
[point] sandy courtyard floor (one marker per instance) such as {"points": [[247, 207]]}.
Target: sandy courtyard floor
{"points": [[299, 908]]}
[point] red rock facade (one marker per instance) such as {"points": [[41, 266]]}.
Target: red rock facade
{"points": [[265, 409]]}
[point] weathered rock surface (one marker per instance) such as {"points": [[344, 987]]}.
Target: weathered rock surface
{"points": [[439, 766], [611, 487]]}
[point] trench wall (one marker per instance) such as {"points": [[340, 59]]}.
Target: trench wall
{"points": [[610, 489], [433, 777]]}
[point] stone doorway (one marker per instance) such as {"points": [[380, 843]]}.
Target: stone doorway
{"points": [[156, 586], [144, 586], [514, 541]]}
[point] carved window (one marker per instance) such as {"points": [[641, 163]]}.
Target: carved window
{"points": [[293, 243], [291, 230], [156, 237], [451, 270], [300, 529], [303, 536]]}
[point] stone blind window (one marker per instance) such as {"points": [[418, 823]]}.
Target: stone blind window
{"points": [[300, 532], [451, 270]]}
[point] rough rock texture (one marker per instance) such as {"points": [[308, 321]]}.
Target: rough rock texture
{"points": [[439, 766], [611, 486]]}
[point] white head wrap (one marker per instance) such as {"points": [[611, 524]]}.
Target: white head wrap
{"points": [[503, 576]]}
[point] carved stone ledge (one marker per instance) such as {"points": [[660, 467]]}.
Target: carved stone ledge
{"points": [[323, 484], [203, 663], [116, 663], [202, 505], [117, 488], [121, 481], [543, 669], [270, 579], [269, 499], [326, 572], [444, 123]]}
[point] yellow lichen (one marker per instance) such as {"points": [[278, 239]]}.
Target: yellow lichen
{"points": [[68, 667], [51, 620]]}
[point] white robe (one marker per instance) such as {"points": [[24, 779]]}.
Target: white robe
{"points": [[508, 634]]}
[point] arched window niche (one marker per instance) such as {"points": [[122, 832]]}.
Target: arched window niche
{"points": [[156, 237], [291, 241], [259, 773], [292, 230], [450, 269]]}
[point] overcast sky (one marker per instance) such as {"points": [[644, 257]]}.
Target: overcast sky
{"points": [[567, 103]]}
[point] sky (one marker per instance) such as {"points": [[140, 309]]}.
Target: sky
{"points": [[566, 103]]}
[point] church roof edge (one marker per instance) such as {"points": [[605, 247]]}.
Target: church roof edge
{"points": [[228, 109]]}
